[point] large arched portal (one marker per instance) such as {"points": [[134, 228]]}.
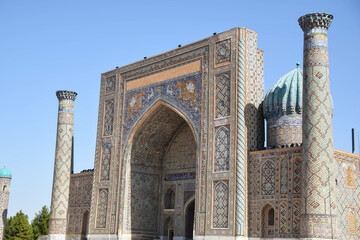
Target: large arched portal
{"points": [[162, 177]]}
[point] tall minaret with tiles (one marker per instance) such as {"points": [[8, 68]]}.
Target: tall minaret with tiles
{"points": [[62, 165], [318, 218]]}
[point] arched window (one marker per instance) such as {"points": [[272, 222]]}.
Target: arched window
{"points": [[4, 188], [351, 221], [85, 224], [170, 199], [350, 181]]}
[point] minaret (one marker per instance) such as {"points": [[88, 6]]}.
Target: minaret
{"points": [[5, 180], [62, 165], [318, 217]]}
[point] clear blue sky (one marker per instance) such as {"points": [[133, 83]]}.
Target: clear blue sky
{"points": [[53, 45]]}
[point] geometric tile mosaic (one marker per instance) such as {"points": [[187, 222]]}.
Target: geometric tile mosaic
{"points": [[110, 84], [284, 175], [220, 203], [223, 51], [296, 189], [222, 108], [268, 178], [283, 215], [102, 208], [295, 218], [222, 142], [109, 117], [105, 164], [144, 201]]}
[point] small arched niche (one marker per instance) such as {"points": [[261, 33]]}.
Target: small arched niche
{"points": [[268, 221], [169, 201]]}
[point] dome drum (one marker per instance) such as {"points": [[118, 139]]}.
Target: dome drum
{"points": [[285, 131]]}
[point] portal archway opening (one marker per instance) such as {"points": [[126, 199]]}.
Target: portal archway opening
{"points": [[163, 159], [189, 220]]}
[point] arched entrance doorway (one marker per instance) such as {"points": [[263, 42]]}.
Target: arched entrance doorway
{"points": [[162, 170], [189, 220], [85, 225], [268, 221]]}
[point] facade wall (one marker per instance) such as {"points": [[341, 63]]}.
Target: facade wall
{"points": [[204, 84], [275, 180], [79, 203], [347, 195], [187, 124]]}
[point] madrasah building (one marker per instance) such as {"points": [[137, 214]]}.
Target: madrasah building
{"points": [[180, 149]]}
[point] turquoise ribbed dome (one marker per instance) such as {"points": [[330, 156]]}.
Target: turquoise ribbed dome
{"points": [[285, 97], [4, 172]]}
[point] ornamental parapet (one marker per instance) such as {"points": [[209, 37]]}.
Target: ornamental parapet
{"points": [[66, 95], [315, 20]]}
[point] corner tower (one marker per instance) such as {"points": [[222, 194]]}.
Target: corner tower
{"points": [[318, 218], [62, 165], [5, 180]]}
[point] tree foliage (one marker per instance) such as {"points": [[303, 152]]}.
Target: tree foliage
{"points": [[40, 224], [18, 228]]}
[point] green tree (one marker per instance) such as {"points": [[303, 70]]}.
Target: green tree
{"points": [[18, 228], [40, 224]]}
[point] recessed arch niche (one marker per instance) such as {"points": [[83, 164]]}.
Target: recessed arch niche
{"points": [[162, 166]]}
